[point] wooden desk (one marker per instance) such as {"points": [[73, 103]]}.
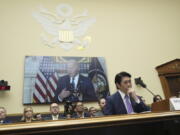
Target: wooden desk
{"points": [[144, 124], [161, 106]]}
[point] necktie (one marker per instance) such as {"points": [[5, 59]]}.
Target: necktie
{"points": [[73, 83], [129, 106]]}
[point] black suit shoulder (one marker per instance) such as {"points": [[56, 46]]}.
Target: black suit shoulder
{"points": [[82, 77], [113, 97], [64, 77], [67, 77]]}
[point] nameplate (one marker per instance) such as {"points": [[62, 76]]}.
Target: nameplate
{"points": [[174, 104]]}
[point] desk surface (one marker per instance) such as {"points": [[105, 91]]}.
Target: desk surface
{"points": [[74, 124]]}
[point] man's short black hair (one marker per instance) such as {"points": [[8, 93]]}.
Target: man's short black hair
{"points": [[120, 75]]}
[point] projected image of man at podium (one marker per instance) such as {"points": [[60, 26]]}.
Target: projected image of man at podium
{"points": [[125, 100], [74, 87]]}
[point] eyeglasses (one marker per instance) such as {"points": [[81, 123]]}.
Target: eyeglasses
{"points": [[28, 111], [54, 106]]}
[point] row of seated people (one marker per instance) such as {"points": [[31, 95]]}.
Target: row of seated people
{"points": [[124, 101], [72, 111]]}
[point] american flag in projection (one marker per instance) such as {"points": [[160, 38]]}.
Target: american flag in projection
{"points": [[45, 81]]}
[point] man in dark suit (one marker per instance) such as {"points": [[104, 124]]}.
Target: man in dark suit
{"points": [[80, 113], [74, 87], [102, 103], [125, 100], [55, 112], [3, 114]]}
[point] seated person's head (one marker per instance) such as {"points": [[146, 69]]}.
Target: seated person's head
{"points": [[79, 107], [86, 109], [2, 113], [38, 117], [143, 99], [157, 98], [102, 103], [28, 114], [123, 81], [68, 109], [54, 109], [92, 111], [68, 115]]}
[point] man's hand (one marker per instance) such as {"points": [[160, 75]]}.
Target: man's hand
{"points": [[132, 93], [64, 94]]}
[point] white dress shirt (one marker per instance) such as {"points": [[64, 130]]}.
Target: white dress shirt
{"points": [[55, 117], [1, 122]]}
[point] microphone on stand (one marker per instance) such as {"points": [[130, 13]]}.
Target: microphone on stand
{"points": [[140, 82]]}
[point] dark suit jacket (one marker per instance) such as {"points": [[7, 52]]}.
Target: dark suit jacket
{"points": [[85, 115], [84, 85], [6, 121], [49, 117], [115, 105]]}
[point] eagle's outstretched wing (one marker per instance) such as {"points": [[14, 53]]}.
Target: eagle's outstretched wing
{"points": [[82, 27], [48, 23]]}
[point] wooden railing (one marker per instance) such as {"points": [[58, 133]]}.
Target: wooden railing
{"points": [[71, 126]]}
